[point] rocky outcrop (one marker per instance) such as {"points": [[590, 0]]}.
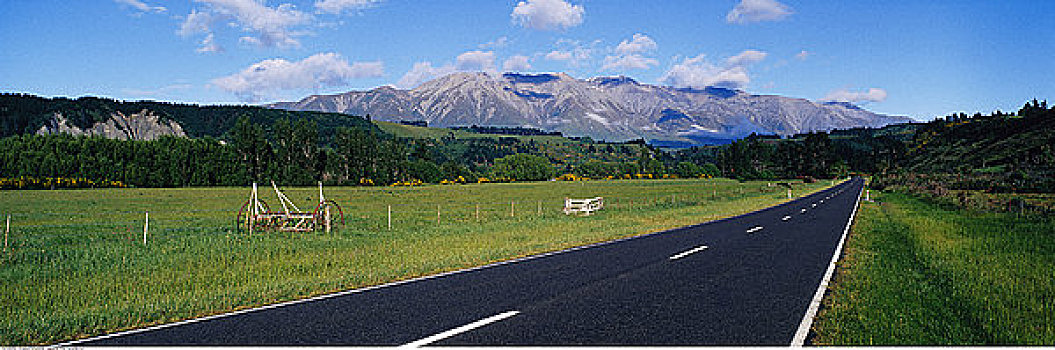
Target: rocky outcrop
{"points": [[144, 125]]}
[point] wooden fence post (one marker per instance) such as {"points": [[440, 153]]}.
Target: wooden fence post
{"points": [[789, 193], [477, 212], [146, 227], [7, 228], [389, 217], [539, 208], [437, 214], [512, 210]]}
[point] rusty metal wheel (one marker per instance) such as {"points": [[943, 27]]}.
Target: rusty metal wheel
{"points": [[244, 220]]}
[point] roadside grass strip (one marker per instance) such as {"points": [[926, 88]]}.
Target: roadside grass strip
{"points": [[915, 273]]}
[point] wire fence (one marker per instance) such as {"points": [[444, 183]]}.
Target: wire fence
{"points": [[54, 230]]}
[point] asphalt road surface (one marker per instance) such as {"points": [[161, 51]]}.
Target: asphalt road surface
{"points": [[747, 280]]}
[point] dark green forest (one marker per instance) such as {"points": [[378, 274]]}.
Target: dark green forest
{"points": [[236, 145], [25, 114]]}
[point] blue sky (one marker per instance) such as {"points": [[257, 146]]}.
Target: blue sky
{"points": [[917, 58]]}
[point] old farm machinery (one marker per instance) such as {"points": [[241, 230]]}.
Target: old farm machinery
{"points": [[256, 215]]}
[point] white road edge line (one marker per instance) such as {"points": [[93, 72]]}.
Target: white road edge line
{"points": [[811, 312], [686, 253], [786, 218], [754, 229], [459, 330]]}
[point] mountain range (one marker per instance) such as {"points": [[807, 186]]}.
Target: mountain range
{"points": [[605, 108]]}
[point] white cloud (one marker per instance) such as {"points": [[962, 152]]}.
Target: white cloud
{"points": [[557, 55], [475, 61], [502, 41], [517, 63], [422, 72], [470, 61], [802, 55], [745, 58], [571, 52], [317, 71], [547, 14], [339, 6], [625, 62], [696, 72], [267, 26], [209, 45], [630, 54], [638, 44], [141, 6], [200, 23], [749, 11], [195, 23], [844, 95]]}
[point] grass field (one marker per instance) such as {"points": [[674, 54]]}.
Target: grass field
{"points": [[417, 132], [77, 265], [915, 273]]}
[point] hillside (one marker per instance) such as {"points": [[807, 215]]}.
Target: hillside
{"points": [[995, 143], [603, 108], [999, 152], [418, 132], [477, 151], [27, 114]]}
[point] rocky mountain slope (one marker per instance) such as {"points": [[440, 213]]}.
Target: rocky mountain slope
{"points": [[22, 114], [609, 108], [144, 125]]}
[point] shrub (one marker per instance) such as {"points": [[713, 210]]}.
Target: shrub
{"points": [[522, 166]]}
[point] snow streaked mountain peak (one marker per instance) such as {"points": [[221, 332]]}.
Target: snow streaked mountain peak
{"points": [[609, 108]]}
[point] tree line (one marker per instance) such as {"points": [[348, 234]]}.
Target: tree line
{"points": [[292, 152], [300, 148]]}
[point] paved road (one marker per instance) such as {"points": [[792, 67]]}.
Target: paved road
{"points": [[743, 280]]}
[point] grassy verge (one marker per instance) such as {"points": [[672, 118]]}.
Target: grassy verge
{"points": [[77, 265], [916, 273]]}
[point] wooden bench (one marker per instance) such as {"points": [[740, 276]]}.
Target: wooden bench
{"points": [[583, 206]]}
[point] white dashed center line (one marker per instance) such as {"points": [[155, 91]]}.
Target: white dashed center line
{"points": [[686, 253], [803, 210], [462, 329], [814, 205], [786, 218], [754, 229]]}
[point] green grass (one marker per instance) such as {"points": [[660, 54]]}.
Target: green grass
{"points": [[77, 265], [916, 273], [417, 132]]}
